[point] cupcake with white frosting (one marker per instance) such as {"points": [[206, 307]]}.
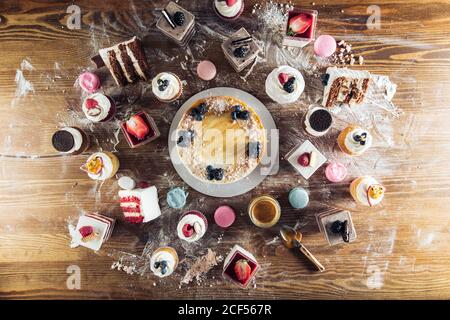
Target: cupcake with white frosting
{"points": [[285, 85], [101, 166], [367, 191], [163, 261], [354, 140], [228, 9], [167, 87], [192, 226], [98, 107]]}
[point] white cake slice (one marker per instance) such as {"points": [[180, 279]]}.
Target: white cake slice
{"points": [[140, 205]]}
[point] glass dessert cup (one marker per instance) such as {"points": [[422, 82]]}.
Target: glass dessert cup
{"points": [[304, 38], [264, 211]]}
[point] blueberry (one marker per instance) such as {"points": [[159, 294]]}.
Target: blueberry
{"points": [[162, 87], [199, 116], [240, 52], [209, 169], [202, 108], [193, 112], [234, 115], [244, 115], [288, 87], [218, 174], [157, 265], [337, 226], [166, 82], [238, 108], [325, 79]]}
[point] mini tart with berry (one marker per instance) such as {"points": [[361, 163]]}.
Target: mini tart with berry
{"points": [[192, 226], [220, 139], [167, 87], [285, 85], [367, 191], [164, 261], [354, 140]]}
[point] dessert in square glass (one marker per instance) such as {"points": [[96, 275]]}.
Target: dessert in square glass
{"points": [[240, 266], [336, 226], [306, 159], [240, 49], [139, 129], [300, 27], [177, 23]]}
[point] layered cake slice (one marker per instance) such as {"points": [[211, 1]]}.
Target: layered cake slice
{"points": [[140, 205], [126, 61], [92, 230], [345, 86]]}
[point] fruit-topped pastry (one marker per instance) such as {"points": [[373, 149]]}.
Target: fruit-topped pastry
{"points": [[285, 85], [140, 205], [300, 27], [306, 159], [163, 261], [101, 165], [228, 9], [139, 129], [354, 140], [337, 226], [240, 49], [240, 266], [98, 107], [91, 231], [192, 226], [167, 87], [176, 23], [367, 191]]}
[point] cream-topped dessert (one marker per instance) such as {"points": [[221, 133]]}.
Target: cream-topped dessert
{"points": [[98, 107], [229, 9], [354, 140], [166, 87], [163, 261], [101, 165], [367, 191], [220, 139], [285, 84], [192, 226]]}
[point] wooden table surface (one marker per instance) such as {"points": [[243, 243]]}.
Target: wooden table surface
{"points": [[402, 249]]}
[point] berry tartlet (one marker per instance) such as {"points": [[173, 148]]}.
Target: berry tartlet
{"points": [[285, 85], [228, 9], [220, 139], [167, 87], [99, 108], [192, 226], [354, 140], [163, 261]]}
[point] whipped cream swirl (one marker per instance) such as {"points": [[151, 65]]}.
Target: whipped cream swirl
{"points": [[356, 146], [107, 166], [101, 110], [170, 260], [197, 222], [275, 90], [171, 90], [228, 11], [362, 189]]}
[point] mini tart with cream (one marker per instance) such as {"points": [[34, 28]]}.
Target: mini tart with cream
{"points": [[367, 191], [163, 261], [220, 139], [354, 140], [192, 226], [167, 87], [101, 165], [229, 9], [98, 107]]}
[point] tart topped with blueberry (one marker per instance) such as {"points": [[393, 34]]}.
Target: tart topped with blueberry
{"points": [[220, 139]]}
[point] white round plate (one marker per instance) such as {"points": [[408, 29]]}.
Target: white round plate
{"points": [[269, 162]]}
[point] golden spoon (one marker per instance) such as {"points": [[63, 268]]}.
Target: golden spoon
{"points": [[292, 239]]}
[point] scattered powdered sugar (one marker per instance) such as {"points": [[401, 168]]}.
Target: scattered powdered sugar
{"points": [[201, 267], [23, 86]]}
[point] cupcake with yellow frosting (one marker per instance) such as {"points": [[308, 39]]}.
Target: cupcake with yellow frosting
{"points": [[367, 191], [101, 165]]}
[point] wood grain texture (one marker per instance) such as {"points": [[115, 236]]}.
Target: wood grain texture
{"points": [[402, 249]]}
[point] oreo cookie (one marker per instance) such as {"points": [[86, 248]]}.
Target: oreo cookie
{"points": [[63, 141], [320, 120]]}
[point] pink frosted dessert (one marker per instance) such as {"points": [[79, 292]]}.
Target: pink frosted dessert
{"points": [[206, 70], [89, 82], [224, 216], [335, 172], [324, 46], [228, 9]]}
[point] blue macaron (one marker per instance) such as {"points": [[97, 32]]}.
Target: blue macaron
{"points": [[298, 198]]}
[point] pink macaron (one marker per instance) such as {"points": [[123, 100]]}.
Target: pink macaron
{"points": [[89, 82], [224, 216], [206, 70], [335, 172], [324, 46]]}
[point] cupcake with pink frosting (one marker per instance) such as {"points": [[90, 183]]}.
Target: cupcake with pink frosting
{"points": [[228, 9]]}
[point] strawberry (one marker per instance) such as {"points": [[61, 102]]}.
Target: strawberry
{"points": [[137, 127], [188, 230], [91, 103], [86, 231], [242, 270], [299, 24], [231, 2], [283, 78], [304, 159]]}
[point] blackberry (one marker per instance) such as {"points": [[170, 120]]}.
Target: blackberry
{"points": [[234, 115], [202, 108], [179, 18], [325, 79], [240, 52], [199, 116], [288, 87], [337, 226], [193, 112], [243, 115], [237, 108], [218, 174]]}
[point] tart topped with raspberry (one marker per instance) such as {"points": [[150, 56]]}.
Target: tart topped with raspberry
{"points": [[220, 139]]}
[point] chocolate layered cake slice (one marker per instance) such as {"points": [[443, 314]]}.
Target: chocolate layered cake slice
{"points": [[345, 86], [126, 61]]}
